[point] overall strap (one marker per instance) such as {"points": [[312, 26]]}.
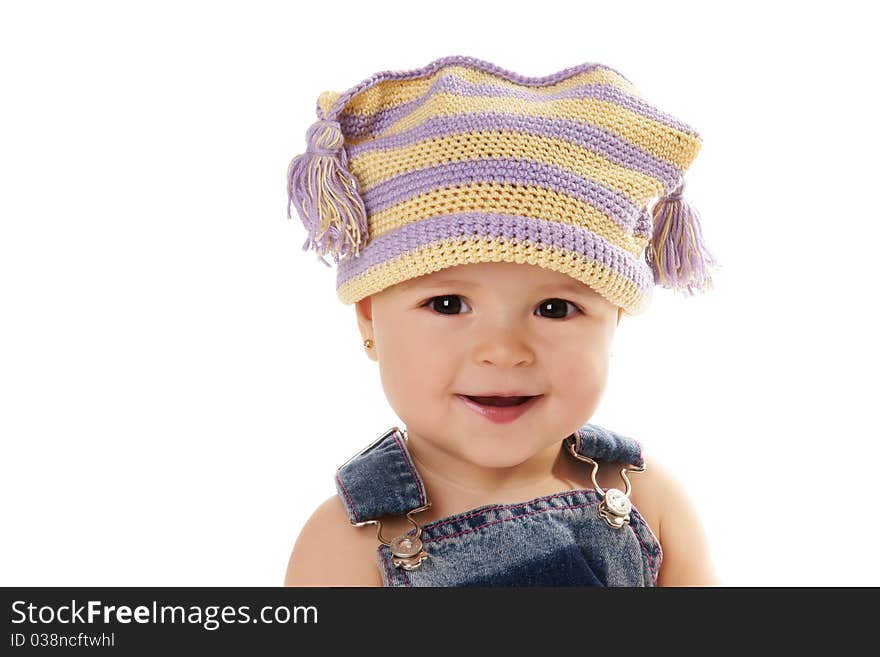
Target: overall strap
{"points": [[602, 444], [380, 480]]}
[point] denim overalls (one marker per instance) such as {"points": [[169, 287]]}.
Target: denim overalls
{"points": [[584, 537]]}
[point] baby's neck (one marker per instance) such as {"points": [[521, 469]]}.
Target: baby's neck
{"points": [[450, 495]]}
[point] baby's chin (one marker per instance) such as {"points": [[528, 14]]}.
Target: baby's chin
{"points": [[498, 459], [499, 449]]}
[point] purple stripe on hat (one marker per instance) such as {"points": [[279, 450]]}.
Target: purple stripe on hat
{"points": [[513, 171], [470, 225], [590, 137], [359, 125], [459, 60]]}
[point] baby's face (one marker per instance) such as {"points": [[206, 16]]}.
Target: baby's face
{"points": [[482, 328]]}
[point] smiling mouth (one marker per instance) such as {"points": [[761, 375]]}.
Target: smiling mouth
{"points": [[500, 401], [500, 410]]}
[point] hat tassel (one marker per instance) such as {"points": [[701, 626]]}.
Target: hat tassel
{"points": [[677, 255], [326, 195]]}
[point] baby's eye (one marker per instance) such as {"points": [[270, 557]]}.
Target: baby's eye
{"points": [[558, 305], [450, 304], [447, 302]]}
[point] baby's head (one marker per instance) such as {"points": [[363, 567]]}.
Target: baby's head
{"points": [[554, 204], [485, 328]]}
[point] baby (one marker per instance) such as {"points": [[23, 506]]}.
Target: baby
{"points": [[489, 230]]}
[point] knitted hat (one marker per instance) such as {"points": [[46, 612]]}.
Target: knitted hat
{"points": [[461, 161]]}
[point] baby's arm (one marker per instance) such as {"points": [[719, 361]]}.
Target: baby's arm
{"points": [[330, 551], [686, 558]]}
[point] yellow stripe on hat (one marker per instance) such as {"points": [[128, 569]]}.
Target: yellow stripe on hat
{"points": [[497, 198], [377, 166], [661, 140]]}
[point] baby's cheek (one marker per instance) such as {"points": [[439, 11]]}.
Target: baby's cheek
{"points": [[416, 379], [581, 375]]}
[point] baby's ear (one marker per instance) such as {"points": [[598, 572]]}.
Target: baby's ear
{"points": [[364, 309], [619, 315], [364, 314]]}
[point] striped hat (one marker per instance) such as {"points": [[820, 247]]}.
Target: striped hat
{"points": [[461, 161]]}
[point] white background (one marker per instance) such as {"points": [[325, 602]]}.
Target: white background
{"points": [[179, 382]]}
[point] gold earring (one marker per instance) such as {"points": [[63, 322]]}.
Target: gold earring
{"points": [[368, 343]]}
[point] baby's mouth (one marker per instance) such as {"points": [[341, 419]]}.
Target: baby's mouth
{"points": [[500, 401]]}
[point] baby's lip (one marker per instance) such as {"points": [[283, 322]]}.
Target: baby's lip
{"points": [[500, 394]]}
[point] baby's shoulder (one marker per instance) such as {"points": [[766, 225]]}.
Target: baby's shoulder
{"points": [[330, 551], [656, 491], [668, 508]]}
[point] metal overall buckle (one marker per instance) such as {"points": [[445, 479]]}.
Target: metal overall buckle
{"points": [[615, 506], [408, 551]]}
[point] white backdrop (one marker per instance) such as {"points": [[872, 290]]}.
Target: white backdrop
{"points": [[179, 382]]}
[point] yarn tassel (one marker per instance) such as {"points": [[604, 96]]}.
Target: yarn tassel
{"points": [[677, 255], [326, 195]]}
